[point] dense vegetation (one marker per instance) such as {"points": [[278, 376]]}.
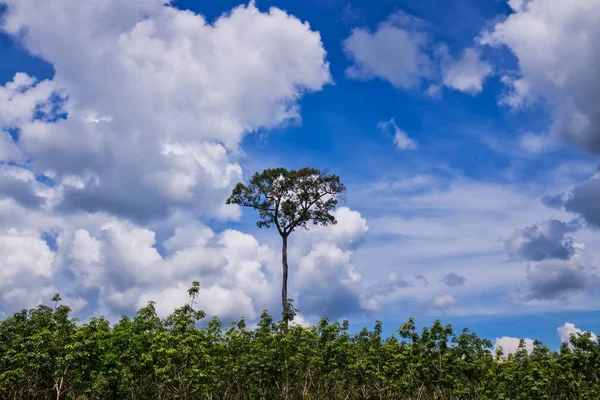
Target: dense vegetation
{"points": [[44, 354]]}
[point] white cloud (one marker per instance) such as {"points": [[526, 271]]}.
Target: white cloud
{"points": [[116, 266], [389, 285], [325, 278], [569, 329], [538, 143], [215, 300], [560, 279], [443, 302], [299, 319], [168, 95], [396, 52], [347, 234], [122, 262], [401, 51], [401, 138], [20, 185], [24, 254], [555, 45], [320, 262], [453, 279], [510, 345], [546, 240], [21, 97], [465, 74], [447, 223], [582, 199], [154, 104], [327, 282], [26, 269]]}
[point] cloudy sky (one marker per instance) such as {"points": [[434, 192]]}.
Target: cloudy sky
{"points": [[468, 135]]}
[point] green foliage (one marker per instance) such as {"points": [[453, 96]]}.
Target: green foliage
{"points": [[45, 354], [290, 199]]}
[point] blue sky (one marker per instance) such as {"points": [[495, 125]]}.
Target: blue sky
{"points": [[467, 134]]}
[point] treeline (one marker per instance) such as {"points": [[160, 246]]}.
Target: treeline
{"points": [[45, 354]]}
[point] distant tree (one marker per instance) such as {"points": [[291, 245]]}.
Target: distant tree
{"points": [[290, 200], [193, 292], [56, 298]]}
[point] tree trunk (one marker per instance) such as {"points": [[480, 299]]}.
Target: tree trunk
{"points": [[284, 263]]}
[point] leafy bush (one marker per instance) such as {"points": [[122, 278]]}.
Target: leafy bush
{"points": [[45, 354]]}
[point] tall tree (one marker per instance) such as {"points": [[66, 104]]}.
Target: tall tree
{"points": [[290, 200]]}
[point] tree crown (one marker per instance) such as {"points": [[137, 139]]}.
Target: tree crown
{"points": [[290, 199]]}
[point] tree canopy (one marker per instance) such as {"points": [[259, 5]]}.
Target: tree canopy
{"points": [[290, 199], [46, 354]]}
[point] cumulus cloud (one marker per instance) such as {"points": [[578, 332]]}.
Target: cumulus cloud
{"points": [[395, 51], [390, 285], [510, 345], [538, 143], [22, 97], [555, 45], [26, 255], [465, 74], [443, 302], [569, 329], [402, 52], [401, 138], [122, 262], [546, 240], [583, 199], [20, 185], [349, 232], [560, 279], [26, 270], [416, 227], [137, 136], [562, 271], [453, 279], [300, 320], [327, 269], [325, 278], [157, 120]]}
